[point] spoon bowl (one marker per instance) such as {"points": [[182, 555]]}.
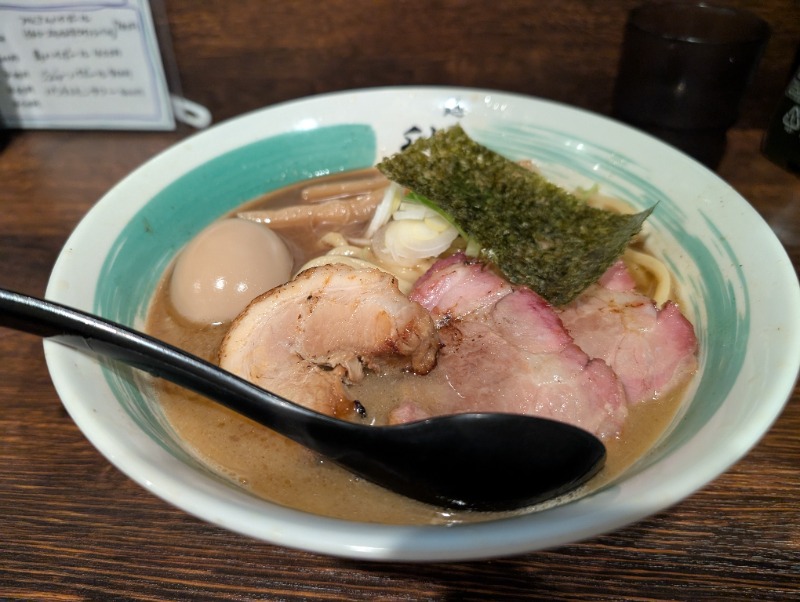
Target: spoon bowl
{"points": [[477, 461]]}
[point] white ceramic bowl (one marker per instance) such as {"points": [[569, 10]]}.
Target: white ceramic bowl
{"points": [[740, 287]]}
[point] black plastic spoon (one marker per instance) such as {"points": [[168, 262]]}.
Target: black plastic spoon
{"points": [[484, 462]]}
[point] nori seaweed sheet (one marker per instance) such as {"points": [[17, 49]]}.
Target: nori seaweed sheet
{"points": [[535, 232]]}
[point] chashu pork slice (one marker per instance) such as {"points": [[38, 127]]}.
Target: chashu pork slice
{"points": [[306, 340], [652, 349], [504, 349]]}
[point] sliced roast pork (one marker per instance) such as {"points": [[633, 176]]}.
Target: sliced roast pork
{"points": [[306, 340], [504, 349], [652, 350]]}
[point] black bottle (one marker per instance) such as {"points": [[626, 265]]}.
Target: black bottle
{"points": [[781, 143]]}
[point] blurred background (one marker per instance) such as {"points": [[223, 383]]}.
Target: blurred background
{"points": [[238, 56]]}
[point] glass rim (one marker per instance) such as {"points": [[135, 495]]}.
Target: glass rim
{"points": [[668, 21]]}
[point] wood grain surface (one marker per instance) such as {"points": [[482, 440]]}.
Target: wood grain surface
{"points": [[72, 527], [237, 59]]}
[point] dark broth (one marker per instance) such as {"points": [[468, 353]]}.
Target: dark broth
{"points": [[283, 472]]}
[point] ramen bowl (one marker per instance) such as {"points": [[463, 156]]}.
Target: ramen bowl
{"points": [[745, 305]]}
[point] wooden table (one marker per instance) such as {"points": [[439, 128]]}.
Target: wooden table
{"points": [[72, 527]]}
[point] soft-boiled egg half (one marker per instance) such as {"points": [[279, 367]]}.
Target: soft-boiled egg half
{"points": [[225, 267]]}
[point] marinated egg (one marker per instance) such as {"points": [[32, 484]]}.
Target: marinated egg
{"points": [[225, 267]]}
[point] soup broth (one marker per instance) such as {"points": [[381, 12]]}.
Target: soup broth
{"points": [[274, 468]]}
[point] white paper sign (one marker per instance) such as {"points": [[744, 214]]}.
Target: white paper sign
{"points": [[81, 64]]}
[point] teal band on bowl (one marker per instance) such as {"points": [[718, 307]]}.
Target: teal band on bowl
{"points": [[146, 246], [720, 304]]}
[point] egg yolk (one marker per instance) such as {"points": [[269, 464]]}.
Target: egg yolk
{"points": [[225, 267]]}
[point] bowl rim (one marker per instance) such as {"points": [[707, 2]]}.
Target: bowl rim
{"points": [[600, 513]]}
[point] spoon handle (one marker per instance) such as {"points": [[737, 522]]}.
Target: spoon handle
{"points": [[84, 331], [479, 461]]}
